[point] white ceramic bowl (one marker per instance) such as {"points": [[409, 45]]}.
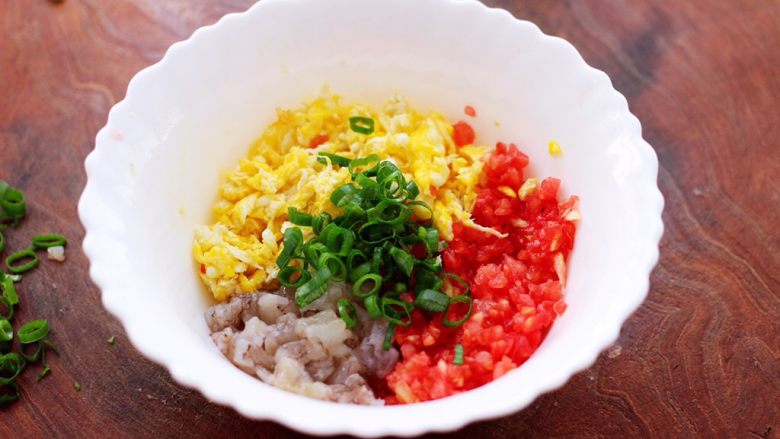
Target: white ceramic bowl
{"points": [[155, 172]]}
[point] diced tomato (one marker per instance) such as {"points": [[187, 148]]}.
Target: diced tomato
{"points": [[470, 111], [515, 289], [463, 134], [319, 140]]}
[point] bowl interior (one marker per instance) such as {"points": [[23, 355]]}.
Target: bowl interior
{"points": [[189, 119]]}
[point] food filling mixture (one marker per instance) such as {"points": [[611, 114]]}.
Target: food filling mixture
{"points": [[382, 257]]}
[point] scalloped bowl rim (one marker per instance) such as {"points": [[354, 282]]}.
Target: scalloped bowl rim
{"points": [[103, 269]]}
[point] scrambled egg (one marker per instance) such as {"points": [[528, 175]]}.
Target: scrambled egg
{"points": [[237, 253]]}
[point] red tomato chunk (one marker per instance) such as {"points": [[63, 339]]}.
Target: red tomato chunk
{"points": [[516, 284]]}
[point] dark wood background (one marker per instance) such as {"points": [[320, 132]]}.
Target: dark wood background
{"points": [[700, 358]]}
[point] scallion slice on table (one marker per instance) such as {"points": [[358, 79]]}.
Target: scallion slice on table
{"points": [[33, 334]]}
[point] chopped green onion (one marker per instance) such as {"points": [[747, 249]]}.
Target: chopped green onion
{"points": [[376, 259], [12, 201], [299, 218], [465, 285], [388, 343], [335, 159], [396, 311], [11, 365], [404, 260], [458, 361], [361, 125], [32, 331], [2, 241], [77, 387], [287, 273], [6, 330], [455, 323], [319, 222], [365, 161], [293, 237], [426, 279], [372, 306], [312, 251], [431, 264], [355, 258], [9, 290], [359, 271], [338, 239], [344, 194], [431, 239], [347, 312], [374, 284], [28, 253], [390, 212], [424, 205], [353, 214], [336, 266], [432, 300], [111, 340], [412, 190], [374, 232], [314, 288], [400, 288], [41, 242]]}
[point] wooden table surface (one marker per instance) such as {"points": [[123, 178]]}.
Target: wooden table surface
{"points": [[700, 358]]}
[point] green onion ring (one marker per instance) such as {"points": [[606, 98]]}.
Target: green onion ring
{"points": [[335, 265], [13, 364], [314, 288], [374, 232], [357, 286], [365, 161], [347, 312], [28, 253], [432, 301], [41, 242], [459, 280], [458, 360], [372, 306], [390, 312], [344, 194], [457, 299], [431, 264], [356, 258], [338, 239], [293, 237], [32, 331], [319, 222], [359, 271], [6, 330], [299, 218], [388, 343], [412, 190], [312, 251], [13, 203], [361, 125], [403, 259], [9, 290], [390, 212], [336, 159], [34, 357], [285, 276]]}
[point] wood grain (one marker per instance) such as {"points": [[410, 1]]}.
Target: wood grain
{"points": [[701, 357]]}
